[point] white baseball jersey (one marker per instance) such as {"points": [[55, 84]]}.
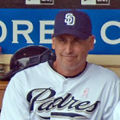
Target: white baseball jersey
{"points": [[116, 113], [40, 93]]}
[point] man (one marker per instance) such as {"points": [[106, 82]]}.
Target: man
{"points": [[69, 88]]}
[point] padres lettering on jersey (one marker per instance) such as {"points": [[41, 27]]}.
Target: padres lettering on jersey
{"points": [[43, 100]]}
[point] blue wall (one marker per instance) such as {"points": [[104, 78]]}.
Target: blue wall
{"points": [[23, 27]]}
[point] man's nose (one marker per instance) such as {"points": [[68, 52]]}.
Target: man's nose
{"points": [[69, 47]]}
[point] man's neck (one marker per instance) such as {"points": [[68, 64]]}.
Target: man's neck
{"points": [[69, 72]]}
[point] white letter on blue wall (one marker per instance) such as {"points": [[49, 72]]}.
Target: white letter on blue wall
{"points": [[3, 31], [103, 32], [24, 32], [44, 31]]}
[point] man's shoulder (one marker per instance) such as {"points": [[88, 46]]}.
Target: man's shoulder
{"points": [[33, 69], [99, 68], [102, 71]]}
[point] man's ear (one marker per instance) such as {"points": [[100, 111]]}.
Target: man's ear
{"points": [[91, 38], [53, 42]]}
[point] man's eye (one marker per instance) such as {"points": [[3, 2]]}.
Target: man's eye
{"points": [[61, 39], [78, 39]]}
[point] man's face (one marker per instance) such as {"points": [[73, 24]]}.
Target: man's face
{"points": [[71, 52]]}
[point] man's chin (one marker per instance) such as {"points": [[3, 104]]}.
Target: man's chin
{"points": [[69, 59]]}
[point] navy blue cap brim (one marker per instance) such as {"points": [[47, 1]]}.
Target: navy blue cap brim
{"points": [[80, 35]]}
